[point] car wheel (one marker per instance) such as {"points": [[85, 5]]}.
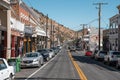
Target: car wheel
{"points": [[104, 61], [96, 58], [10, 77], [39, 64], [117, 65], [47, 58], [109, 63]]}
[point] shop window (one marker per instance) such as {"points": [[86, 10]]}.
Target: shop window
{"points": [[2, 65]]}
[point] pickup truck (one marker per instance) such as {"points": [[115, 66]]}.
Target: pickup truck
{"points": [[6, 72]]}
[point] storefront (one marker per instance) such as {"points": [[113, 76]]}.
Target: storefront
{"points": [[28, 40], [39, 36], [17, 34]]}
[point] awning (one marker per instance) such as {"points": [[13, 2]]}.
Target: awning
{"points": [[39, 31], [16, 25]]}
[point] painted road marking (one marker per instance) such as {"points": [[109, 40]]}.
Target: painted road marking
{"points": [[40, 68], [80, 72]]}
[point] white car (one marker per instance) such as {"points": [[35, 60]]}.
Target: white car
{"points": [[32, 59], [112, 57], [6, 71], [51, 53], [100, 55]]}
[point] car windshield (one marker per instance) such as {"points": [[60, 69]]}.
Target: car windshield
{"points": [[31, 55], [50, 50], [103, 52], [116, 53], [43, 51], [53, 48]]}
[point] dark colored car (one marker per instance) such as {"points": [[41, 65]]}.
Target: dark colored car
{"points": [[72, 48], [45, 54], [56, 50]]}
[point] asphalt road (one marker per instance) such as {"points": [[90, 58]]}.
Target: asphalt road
{"points": [[95, 70], [61, 68]]}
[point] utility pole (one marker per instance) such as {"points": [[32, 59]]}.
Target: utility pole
{"points": [[51, 35], [58, 37], [83, 33], [46, 31], [99, 22], [83, 46]]}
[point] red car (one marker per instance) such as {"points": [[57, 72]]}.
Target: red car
{"points": [[88, 53]]}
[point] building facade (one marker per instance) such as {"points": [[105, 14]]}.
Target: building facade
{"points": [[114, 32], [106, 40], [5, 30]]}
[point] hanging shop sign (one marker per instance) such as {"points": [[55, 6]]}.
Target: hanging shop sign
{"points": [[28, 30]]}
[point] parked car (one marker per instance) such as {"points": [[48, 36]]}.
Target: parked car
{"points": [[72, 48], [100, 55], [45, 54], [112, 57], [88, 53], [32, 59], [6, 72], [94, 53], [59, 47], [56, 50], [78, 48], [51, 53]]}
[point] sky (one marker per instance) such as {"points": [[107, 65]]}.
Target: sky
{"points": [[73, 13]]}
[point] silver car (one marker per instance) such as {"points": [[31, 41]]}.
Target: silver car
{"points": [[32, 59], [100, 55], [112, 57], [51, 53]]}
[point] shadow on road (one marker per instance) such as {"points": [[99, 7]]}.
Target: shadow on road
{"points": [[88, 60]]}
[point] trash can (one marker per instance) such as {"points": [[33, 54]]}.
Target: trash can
{"points": [[18, 68], [15, 62]]}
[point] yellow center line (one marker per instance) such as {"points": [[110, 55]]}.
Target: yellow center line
{"points": [[80, 72]]}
